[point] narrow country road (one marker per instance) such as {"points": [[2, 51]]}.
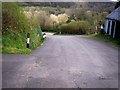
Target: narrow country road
{"points": [[63, 62]]}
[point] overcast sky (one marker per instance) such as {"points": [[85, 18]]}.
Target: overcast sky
{"points": [[58, 0]]}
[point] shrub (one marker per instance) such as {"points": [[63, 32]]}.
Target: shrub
{"points": [[75, 27], [15, 29]]}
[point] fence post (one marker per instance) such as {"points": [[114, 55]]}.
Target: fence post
{"points": [[28, 40]]}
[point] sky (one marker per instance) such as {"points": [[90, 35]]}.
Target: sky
{"points": [[114, 0], [58, 0]]}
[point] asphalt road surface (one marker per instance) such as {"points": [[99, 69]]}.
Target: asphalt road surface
{"points": [[63, 62]]}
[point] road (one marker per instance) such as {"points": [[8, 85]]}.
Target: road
{"points": [[63, 62]]}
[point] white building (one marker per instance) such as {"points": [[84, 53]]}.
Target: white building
{"points": [[112, 23]]}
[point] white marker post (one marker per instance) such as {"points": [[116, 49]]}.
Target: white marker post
{"points": [[28, 40]]}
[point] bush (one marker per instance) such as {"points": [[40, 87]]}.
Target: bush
{"points": [[13, 18], [15, 29], [49, 28], [36, 37], [75, 27]]}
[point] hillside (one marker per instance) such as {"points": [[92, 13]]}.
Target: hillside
{"points": [[53, 15], [90, 5], [15, 27]]}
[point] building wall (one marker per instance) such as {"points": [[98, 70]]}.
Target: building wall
{"points": [[106, 25], [117, 30], [114, 30], [112, 27]]}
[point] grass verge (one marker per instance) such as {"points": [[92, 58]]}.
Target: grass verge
{"points": [[17, 51], [107, 38]]}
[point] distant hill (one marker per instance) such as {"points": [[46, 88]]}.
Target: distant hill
{"points": [[95, 6], [99, 6], [50, 4]]}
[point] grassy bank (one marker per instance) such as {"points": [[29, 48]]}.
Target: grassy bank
{"points": [[106, 38], [0, 43], [15, 27]]}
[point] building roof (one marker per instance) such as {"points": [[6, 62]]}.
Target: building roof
{"points": [[115, 14]]}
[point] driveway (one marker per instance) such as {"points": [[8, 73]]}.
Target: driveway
{"points": [[63, 62]]}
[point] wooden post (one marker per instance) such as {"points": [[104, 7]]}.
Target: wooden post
{"points": [[28, 40]]}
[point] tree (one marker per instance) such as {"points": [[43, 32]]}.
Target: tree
{"points": [[117, 5]]}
